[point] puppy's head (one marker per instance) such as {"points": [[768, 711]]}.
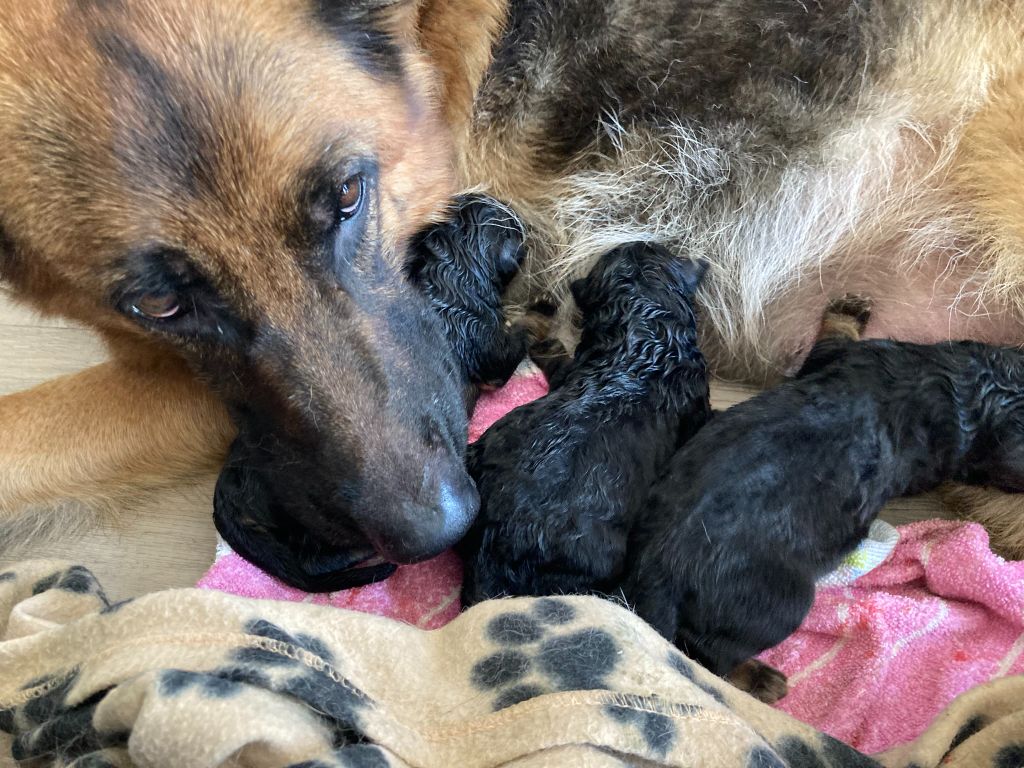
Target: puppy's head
{"points": [[464, 266], [642, 278], [236, 182]]}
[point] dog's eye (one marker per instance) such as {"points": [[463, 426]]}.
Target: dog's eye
{"points": [[157, 306], [351, 196]]}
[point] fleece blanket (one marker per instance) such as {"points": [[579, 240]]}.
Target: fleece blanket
{"points": [[200, 679], [877, 660]]}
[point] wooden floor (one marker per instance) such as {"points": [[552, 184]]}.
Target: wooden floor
{"points": [[168, 540]]}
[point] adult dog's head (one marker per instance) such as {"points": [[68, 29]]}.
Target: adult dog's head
{"points": [[237, 180]]}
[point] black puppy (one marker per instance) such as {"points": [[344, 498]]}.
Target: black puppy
{"points": [[463, 265], [775, 491], [560, 478]]}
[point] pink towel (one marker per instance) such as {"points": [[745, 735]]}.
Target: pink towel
{"points": [[875, 662], [426, 594]]}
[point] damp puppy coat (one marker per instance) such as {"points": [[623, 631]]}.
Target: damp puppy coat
{"points": [[560, 478], [776, 490]]}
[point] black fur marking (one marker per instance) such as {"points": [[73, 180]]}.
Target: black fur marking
{"points": [[165, 135], [251, 520], [11, 266], [98, 6], [8, 576], [357, 24], [204, 314], [517, 695], [769, 69], [659, 731], [500, 669], [580, 661]]}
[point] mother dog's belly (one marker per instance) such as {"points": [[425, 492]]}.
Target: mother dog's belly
{"points": [[923, 311]]}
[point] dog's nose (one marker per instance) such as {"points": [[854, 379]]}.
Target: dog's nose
{"points": [[435, 522]]}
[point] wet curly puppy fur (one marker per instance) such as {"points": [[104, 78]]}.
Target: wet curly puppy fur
{"points": [[775, 491], [561, 478], [463, 265]]}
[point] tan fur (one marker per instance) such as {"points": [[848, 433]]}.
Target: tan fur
{"points": [[1000, 513]]}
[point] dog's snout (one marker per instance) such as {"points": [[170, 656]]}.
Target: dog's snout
{"points": [[445, 508]]}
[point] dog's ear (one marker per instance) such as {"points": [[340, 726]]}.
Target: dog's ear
{"points": [[688, 273], [580, 294]]}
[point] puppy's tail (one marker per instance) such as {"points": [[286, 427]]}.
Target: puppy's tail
{"points": [[846, 318]]}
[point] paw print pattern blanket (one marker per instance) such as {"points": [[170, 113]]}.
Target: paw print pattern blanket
{"points": [[198, 679]]}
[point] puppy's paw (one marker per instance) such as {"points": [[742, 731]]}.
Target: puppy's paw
{"points": [[762, 682], [846, 317]]}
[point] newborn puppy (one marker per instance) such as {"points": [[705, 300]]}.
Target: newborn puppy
{"points": [[775, 491], [561, 478], [463, 265]]}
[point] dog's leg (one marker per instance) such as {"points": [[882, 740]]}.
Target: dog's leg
{"points": [[553, 359], [762, 682], [845, 318], [842, 325], [547, 352], [1002, 514], [95, 435]]}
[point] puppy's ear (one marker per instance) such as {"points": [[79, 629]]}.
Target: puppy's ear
{"points": [[688, 273], [582, 293], [497, 231], [511, 253]]}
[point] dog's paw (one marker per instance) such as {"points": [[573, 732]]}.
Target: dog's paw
{"points": [[762, 682], [846, 317]]}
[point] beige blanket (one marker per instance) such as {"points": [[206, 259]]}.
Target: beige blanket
{"points": [[192, 678]]}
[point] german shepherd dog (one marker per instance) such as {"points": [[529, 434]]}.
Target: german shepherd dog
{"points": [[226, 191]]}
